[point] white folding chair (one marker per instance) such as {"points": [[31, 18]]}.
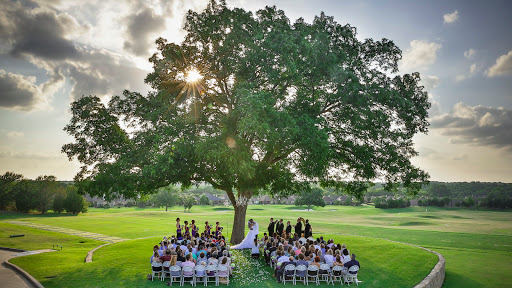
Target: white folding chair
{"points": [[324, 273], [155, 269], [211, 274], [223, 272], [165, 271], [336, 274], [187, 272], [175, 274], [351, 278], [200, 273], [289, 272], [300, 273], [312, 273]]}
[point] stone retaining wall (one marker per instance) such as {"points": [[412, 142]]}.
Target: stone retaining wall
{"points": [[436, 277]]}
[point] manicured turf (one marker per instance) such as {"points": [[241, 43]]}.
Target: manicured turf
{"points": [[475, 243]]}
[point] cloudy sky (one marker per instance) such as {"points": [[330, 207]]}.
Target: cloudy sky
{"points": [[53, 51]]}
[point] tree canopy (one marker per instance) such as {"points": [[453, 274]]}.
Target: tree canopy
{"points": [[312, 198], [279, 105]]}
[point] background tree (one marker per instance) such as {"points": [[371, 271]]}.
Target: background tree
{"points": [[251, 103], [45, 187], [25, 196], [166, 196], [74, 202], [188, 202], [311, 198], [203, 200], [59, 200], [7, 182]]}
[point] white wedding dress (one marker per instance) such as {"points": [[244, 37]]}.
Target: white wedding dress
{"points": [[248, 241]]}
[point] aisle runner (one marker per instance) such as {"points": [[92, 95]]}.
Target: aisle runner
{"points": [[89, 235]]}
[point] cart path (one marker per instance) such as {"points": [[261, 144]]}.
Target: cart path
{"points": [[90, 235]]}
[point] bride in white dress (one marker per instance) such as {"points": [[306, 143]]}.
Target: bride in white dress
{"points": [[248, 241]]}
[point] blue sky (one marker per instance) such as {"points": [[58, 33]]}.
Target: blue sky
{"points": [[54, 51]]}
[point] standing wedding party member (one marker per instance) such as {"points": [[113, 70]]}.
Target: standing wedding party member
{"points": [[271, 227], [288, 228], [194, 229], [280, 228], [217, 230], [298, 227], [178, 228], [187, 229], [307, 230], [207, 229]]}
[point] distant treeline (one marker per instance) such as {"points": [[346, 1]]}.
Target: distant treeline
{"points": [[458, 194], [42, 194]]}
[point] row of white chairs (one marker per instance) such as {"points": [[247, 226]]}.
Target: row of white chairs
{"points": [[316, 275], [198, 274]]}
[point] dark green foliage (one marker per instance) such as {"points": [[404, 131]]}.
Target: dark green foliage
{"points": [[166, 196], [25, 196], [45, 188], [59, 200], [74, 202], [311, 198], [188, 202], [7, 191], [391, 203], [281, 105], [203, 200]]}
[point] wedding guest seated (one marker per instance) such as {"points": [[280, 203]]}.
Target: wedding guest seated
{"points": [[255, 250], [329, 258], [301, 261], [345, 255], [180, 257], [201, 258], [338, 261], [280, 271], [167, 256], [213, 260], [155, 257], [189, 262], [352, 262]]}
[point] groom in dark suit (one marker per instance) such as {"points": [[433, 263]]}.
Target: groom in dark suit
{"points": [[271, 227]]}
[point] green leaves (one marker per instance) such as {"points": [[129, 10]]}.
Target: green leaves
{"points": [[280, 105]]}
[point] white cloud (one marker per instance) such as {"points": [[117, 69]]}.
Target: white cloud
{"points": [[452, 17], [472, 68], [469, 54], [421, 54], [14, 134], [476, 125], [503, 66], [460, 78], [430, 82]]}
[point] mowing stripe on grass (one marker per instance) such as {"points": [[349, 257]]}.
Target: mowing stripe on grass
{"points": [[90, 235]]}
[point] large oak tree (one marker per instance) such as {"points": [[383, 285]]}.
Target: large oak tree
{"points": [[280, 105]]}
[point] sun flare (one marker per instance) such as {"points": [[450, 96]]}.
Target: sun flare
{"points": [[193, 76]]}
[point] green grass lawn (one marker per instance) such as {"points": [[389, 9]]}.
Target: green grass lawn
{"points": [[474, 243]]}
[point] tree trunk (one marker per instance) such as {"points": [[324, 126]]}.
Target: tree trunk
{"points": [[237, 235], [165, 207]]}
